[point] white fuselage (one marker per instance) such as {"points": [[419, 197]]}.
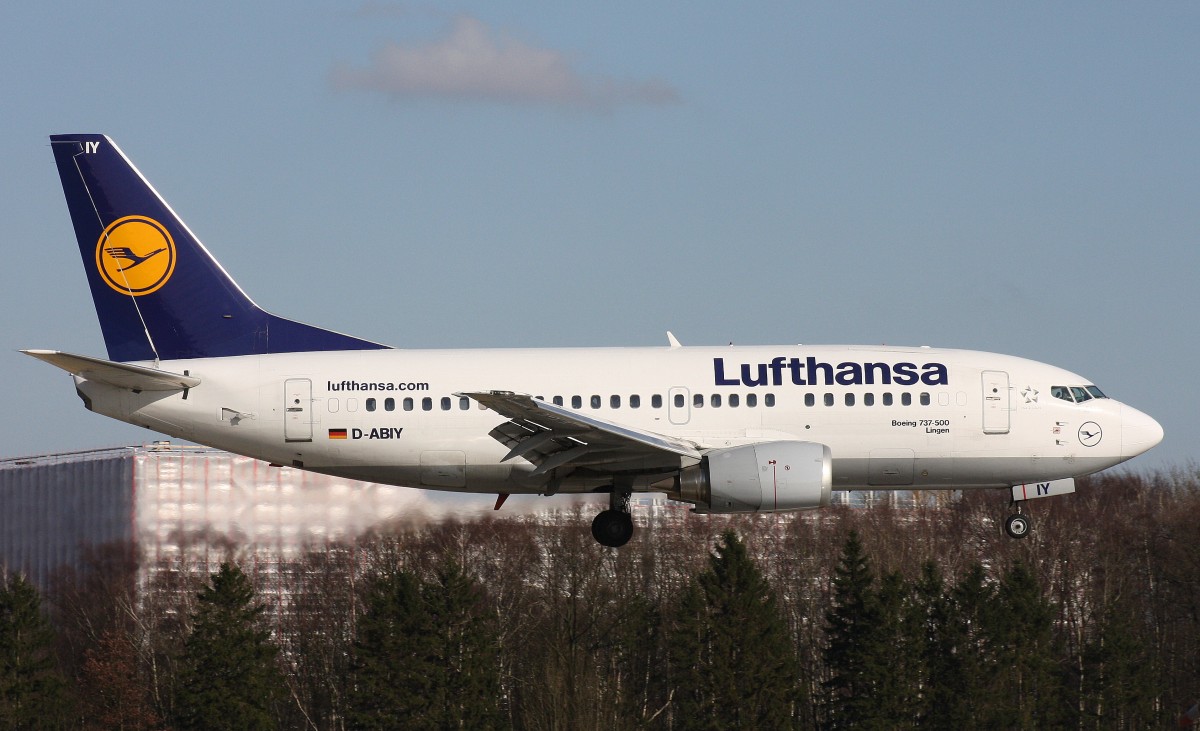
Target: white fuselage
{"points": [[892, 417]]}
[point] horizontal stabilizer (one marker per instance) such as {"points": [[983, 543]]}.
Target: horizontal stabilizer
{"points": [[121, 375]]}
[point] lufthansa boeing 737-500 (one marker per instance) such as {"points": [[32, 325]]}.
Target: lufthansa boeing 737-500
{"points": [[727, 429]]}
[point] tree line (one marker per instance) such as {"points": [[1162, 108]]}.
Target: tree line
{"points": [[882, 617]]}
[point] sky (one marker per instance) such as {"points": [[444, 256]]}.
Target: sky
{"points": [[1012, 177]]}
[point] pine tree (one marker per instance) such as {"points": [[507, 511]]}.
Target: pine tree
{"points": [[32, 690], [1021, 626], [851, 629], [734, 660], [465, 661], [228, 676], [1120, 678], [689, 658], [933, 624], [393, 671], [892, 660]]}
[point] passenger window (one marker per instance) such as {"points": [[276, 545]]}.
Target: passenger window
{"points": [[464, 403], [906, 399], [887, 399], [849, 399], [408, 404], [829, 399], [679, 402], [370, 404], [333, 405], [698, 400], [769, 400], [427, 404], [614, 402], [810, 399], [558, 401], [389, 404], [924, 399], [734, 400], [715, 400], [868, 399], [576, 402], [635, 402], [751, 400], [351, 404], [445, 403], [594, 401], [656, 401]]}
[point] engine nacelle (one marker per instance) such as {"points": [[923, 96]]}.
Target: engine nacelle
{"points": [[763, 477]]}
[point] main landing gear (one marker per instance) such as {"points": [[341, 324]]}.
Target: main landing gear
{"points": [[614, 527], [1017, 525]]}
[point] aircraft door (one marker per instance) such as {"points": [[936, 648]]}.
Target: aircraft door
{"points": [[996, 408], [679, 406], [297, 410]]}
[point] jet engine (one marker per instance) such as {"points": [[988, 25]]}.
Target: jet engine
{"points": [[763, 477]]}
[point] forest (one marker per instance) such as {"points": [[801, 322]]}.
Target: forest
{"points": [[882, 617]]}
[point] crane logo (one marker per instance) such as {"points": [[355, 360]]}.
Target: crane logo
{"points": [[135, 255]]}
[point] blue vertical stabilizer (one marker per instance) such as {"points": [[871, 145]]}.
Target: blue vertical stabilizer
{"points": [[159, 294]]}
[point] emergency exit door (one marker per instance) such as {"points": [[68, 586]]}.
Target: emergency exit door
{"points": [[297, 410], [679, 406]]}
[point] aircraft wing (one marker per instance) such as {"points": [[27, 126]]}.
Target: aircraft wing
{"points": [[550, 437], [121, 375]]}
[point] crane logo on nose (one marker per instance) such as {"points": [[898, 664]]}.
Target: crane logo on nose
{"points": [[1090, 434]]}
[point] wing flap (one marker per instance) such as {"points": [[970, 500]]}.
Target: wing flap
{"points": [[121, 375], [552, 437]]}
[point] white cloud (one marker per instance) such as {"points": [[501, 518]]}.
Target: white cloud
{"points": [[473, 63]]}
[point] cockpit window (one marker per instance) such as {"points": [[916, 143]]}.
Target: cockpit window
{"points": [[1076, 394]]}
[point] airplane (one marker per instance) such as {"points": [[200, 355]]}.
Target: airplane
{"points": [[727, 429]]}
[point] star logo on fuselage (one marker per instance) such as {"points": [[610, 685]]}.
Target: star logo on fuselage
{"points": [[1031, 394]]}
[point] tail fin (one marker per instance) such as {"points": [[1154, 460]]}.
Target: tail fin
{"points": [[159, 294]]}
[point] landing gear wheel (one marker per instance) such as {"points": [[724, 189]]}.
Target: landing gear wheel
{"points": [[612, 528], [1017, 526]]}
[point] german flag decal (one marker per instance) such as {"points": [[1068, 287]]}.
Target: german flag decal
{"points": [[337, 433]]}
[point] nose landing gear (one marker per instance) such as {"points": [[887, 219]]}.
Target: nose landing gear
{"points": [[1017, 525]]}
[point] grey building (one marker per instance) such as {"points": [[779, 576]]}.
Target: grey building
{"points": [[175, 502]]}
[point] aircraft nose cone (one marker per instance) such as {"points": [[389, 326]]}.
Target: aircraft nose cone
{"points": [[1139, 432]]}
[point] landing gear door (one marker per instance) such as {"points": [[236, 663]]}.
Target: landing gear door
{"points": [[297, 410], [996, 408]]}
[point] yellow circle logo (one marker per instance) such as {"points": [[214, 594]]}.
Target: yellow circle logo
{"points": [[135, 255]]}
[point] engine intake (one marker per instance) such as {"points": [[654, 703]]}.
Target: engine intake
{"points": [[764, 477]]}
